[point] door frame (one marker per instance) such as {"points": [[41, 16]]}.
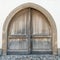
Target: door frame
{"points": [[39, 8]]}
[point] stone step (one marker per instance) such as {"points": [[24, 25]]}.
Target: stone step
{"points": [[29, 57]]}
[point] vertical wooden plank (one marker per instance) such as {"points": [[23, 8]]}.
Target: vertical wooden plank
{"points": [[37, 22], [29, 30], [46, 27]]}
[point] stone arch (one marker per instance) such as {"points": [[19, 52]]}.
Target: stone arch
{"points": [[39, 8]]}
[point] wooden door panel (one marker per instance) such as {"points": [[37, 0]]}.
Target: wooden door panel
{"points": [[18, 24], [18, 44], [40, 23], [17, 39], [41, 40], [42, 44]]}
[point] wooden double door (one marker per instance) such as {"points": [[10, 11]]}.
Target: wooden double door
{"points": [[29, 32]]}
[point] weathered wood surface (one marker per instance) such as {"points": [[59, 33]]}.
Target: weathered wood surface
{"points": [[29, 30]]}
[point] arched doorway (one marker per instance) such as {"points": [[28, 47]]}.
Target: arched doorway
{"points": [[29, 30]]}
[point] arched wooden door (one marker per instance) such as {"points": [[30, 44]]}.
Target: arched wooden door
{"points": [[29, 32]]}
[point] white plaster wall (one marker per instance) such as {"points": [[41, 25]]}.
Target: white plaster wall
{"points": [[53, 6]]}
